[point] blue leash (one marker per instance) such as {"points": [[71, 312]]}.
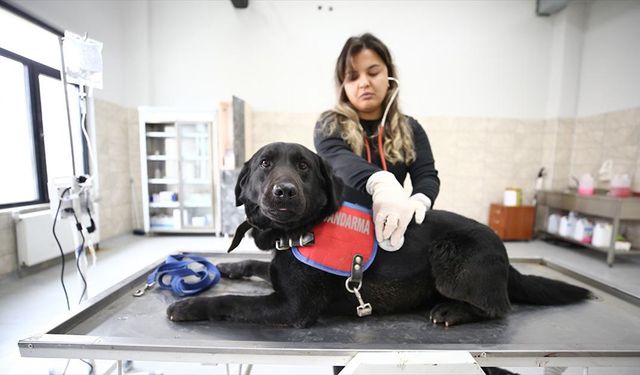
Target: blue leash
{"points": [[176, 268]]}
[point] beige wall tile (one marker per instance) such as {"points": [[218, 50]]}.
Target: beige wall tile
{"points": [[113, 128], [635, 184], [502, 139], [580, 169], [566, 128], [591, 155], [8, 241], [283, 127], [8, 263], [435, 124], [6, 220], [443, 145], [627, 118], [8, 246], [499, 125]]}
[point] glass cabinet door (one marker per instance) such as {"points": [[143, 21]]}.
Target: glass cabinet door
{"points": [[196, 176], [162, 174]]}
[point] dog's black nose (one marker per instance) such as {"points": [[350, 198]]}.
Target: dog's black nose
{"points": [[284, 190]]}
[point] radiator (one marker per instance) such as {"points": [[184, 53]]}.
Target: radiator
{"points": [[35, 240]]}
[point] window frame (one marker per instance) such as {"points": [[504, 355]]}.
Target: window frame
{"points": [[32, 70]]}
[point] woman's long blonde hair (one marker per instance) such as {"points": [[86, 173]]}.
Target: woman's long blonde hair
{"points": [[343, 118]]}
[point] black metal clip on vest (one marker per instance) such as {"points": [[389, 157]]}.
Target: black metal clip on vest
{"points": [[354, 283]]}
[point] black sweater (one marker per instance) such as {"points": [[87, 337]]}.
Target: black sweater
{"points": [[354, 169]]}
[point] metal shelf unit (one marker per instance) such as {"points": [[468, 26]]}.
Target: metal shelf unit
{"points": [[601, 206], [179, 171]]}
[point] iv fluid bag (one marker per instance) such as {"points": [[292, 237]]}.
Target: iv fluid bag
{"points": [[82, 60]]}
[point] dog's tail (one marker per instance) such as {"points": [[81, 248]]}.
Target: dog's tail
{"points": [[538, 290]]}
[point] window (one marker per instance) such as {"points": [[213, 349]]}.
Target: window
{"points": [[35, 144], [16, 140]]}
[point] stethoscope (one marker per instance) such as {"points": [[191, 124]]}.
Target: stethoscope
{"points": [[381, 128]]}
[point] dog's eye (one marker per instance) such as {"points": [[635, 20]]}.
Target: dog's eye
{"points": [[303, 166], [264, 163]]}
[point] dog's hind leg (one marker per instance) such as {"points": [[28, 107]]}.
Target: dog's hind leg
{"points": [[245, 268], [473, 273]]}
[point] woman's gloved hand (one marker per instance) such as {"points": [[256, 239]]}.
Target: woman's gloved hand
{"points": [[393, 209]]}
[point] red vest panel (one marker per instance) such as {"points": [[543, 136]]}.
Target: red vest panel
{"points": [[338, 239]]}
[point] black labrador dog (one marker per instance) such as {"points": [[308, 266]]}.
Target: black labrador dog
{"points": [[452, 265]]}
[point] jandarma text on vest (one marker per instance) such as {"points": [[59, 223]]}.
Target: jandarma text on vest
{"points": [[355, 223]]}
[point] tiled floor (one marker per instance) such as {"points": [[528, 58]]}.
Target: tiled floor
{"points": [[31, 304]]}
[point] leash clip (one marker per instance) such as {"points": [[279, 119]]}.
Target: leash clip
{"points": [[140, 292], [364, 309]]}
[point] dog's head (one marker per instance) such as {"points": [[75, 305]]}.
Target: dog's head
{"points": [[286, 186]]}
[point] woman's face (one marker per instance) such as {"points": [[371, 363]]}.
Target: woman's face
{"points": [[366, 84]]}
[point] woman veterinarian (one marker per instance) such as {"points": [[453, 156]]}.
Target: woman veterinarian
{"points": [[372, 146]]}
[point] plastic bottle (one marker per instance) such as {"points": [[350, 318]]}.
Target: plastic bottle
{"points": [[620, 186], [585, 186], [602, 233], [553, 223]]}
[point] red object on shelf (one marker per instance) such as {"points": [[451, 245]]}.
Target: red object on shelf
{"points": [[621, 192]]}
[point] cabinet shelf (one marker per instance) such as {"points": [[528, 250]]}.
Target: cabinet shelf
{"points": [[163, 181], [161, 158], [161, 135], [195, 158], [164, 204]]}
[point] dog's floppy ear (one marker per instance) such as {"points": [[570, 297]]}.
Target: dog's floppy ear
{"points": [[333, 185], [242, 181]]}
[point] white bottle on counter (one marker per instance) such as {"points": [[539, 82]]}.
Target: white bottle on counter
{"points": [[567, 224], [583, 231], [602, 233], [553, 223]]}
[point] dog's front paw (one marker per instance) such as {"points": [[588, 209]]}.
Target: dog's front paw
{"points": [[231, 270], [189, 309]]}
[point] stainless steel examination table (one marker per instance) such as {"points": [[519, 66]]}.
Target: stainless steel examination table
{"points": [[117, 326]]}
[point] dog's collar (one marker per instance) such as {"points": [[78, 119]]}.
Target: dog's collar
{"points": [[283, 243], [286, 243]]}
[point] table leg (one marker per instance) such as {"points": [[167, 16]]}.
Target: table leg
{"points": [[612, 245]]}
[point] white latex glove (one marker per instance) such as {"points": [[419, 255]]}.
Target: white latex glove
{"points": [[393, 209], [422, 199]]}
